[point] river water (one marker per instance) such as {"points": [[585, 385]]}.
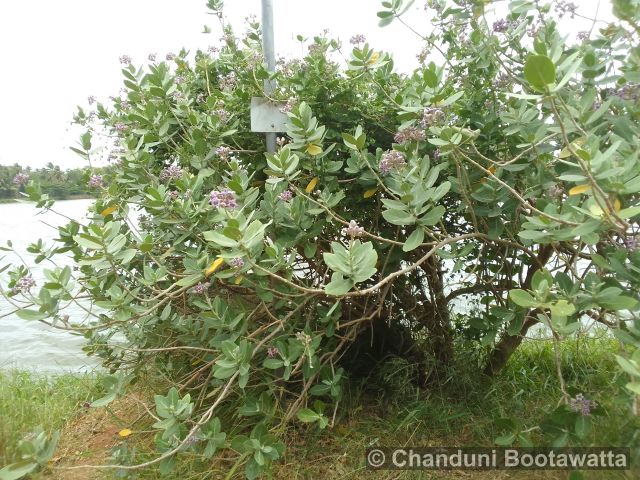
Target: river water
{"points": [[31, 344]]}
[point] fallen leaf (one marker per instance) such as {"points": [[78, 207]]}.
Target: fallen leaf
{"points": [[125, 432], [370, 193], [578, 189]]}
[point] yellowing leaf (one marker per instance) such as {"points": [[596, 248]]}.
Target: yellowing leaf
{"points": [[374, 58], [596, 210], [577, 190], [125, 432], [370, 193], [238, 280], [492, 170], [312, 185], [109, 210], [313, 149], [617, 205], [214, 266]]}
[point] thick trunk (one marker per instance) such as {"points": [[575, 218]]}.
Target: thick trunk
{"points": [[508, 344]]}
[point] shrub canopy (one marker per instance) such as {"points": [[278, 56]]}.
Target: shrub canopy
{"points": [[445, 211]]}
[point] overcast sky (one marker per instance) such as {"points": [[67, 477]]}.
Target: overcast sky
{"points": [[57, 53]]}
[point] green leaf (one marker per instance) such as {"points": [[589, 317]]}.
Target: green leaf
{"points": [[582, 426], [27, 314], [522, 298], [338, 285], [189, 280], [539, 71], [414, 240], [398, 217], [18, 470], [433, 216], [219, 239], [307, 415]]}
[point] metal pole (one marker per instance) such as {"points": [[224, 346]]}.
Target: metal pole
{"points": [[270, 57]]}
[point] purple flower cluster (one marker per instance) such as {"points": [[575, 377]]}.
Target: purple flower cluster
{"points": [[223, 199], [563, 7], [353, 230], [227, 82], [213, 50], [120, 127], [409, 134], [96, 181], [91, 99], [178, 95], [501, 26], [632, 243], [281, 141], [288, 107], [390, 160], [236, 263], [582, 405], [200, 288], [21, 178], [152, 57], [172, 172], [629, 92], [222, 114], [357, 39], [223, 152], [431, 115], [436, 155], [288, 68], [170, 56], [24, 285], [286, 196], [125, 60], [201, 98], [179, 80], [583, 36], [174, 194], [272, 352]]}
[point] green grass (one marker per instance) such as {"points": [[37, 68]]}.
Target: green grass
{"points": [[385, 409], [28, 400]]}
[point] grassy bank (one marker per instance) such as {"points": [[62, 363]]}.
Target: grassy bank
{"points": [[28, 400], [463, 411]]}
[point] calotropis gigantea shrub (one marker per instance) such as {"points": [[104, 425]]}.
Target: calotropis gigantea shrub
{"points": [[501, 176]]}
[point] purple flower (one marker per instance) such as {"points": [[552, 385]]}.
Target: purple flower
{"points": [[96, 181], [563, 7], [357, 39], [409, 134], [152, 57], [582, 405], [227, 81], [286, 196], [222, 114], [91, 99], [178, 95], [281, 141], [272, 352], [24, 285], [125, 60], [21, 178], [391, 160], [436, 155], [629, 92], [170, 56], [287, 107], [172, 172], [201, 98], [200, 288], [223, 199], [213, 50], [174, 194], [500, 26], [353, 230], [223, 152], [237, 263], [583, 36], [120, 127], [431, 115], [632, 244], [179, 80]]}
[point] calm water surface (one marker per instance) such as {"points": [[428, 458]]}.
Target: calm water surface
{"points": [[29, 344]]}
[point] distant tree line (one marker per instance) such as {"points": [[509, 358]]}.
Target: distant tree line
{"points": [[54, 181]]}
